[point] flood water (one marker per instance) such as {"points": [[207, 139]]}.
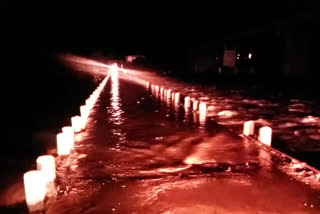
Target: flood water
{"points": [[145, 154], [295, 121]]}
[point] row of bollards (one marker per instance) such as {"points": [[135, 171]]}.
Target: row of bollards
{"points": [[192, 103], [265, 133], [40, 183]]}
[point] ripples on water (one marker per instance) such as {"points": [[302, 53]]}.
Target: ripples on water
{"points": [[141, 154], [295, 122], [172, 164]]}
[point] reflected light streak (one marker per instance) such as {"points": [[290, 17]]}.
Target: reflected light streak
{"points": [[115, 99], [116, 111], [172, 169], [114, 72]]}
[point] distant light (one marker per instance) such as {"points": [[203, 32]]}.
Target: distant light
{"points": [[238, 54], [76, 123], [265, 135], [69, 132], [46, 164], [35, 190], [248, 128], [250, 55], [129, 59], [63, 144]]}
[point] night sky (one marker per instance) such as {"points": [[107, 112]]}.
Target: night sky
{"points": [[149, 29], [34, 82]]}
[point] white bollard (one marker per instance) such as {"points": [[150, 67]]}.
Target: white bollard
{"points": [[157, 88], [47, 165], [161, 91], [89, 103], [248, 128], [84, 111], [35, 190], [195, 105], [177, 97], [203, 108], [69, 132], [63, 144], [83, 123], [187, 102], [265, 135], [168, 94], [76, 123], [147, 84]]}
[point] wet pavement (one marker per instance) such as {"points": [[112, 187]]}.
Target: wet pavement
{"points": [[142, 153]]}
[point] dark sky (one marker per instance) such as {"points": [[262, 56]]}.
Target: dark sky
{"points": [[138, 27], [154, 28]]}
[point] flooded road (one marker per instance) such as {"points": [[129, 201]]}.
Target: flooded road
{"points": [[295, 121], [143, 154]]}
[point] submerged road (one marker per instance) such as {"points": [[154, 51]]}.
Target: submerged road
{"points": [[141, 154]]}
